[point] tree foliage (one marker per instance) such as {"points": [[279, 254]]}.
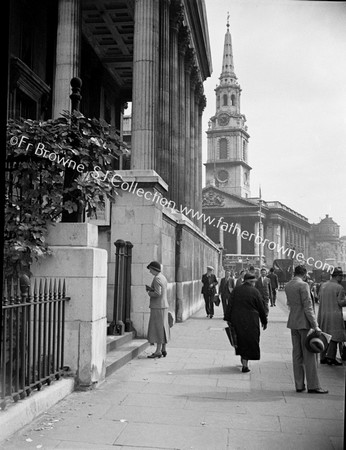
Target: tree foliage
{"points": [[38, 156]]}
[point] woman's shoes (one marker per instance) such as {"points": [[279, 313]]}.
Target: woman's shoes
{"points": [[164, 353], [245, 369], [155, 355]]}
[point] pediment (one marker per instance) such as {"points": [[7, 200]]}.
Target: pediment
{"points": [[214, 197]]}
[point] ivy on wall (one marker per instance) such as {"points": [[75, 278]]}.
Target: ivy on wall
{"points": [[39, 153]]}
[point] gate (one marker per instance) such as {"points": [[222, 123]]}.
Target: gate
{"points": [[122, 289], [32, 341]]}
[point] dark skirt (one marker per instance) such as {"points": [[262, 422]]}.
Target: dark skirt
{"points": [[158, 329]]}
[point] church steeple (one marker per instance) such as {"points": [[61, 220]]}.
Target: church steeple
{"points": [[227, 165], [227, 61]]}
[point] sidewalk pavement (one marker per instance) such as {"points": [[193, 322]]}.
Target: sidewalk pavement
{"points": [[197, 398]]}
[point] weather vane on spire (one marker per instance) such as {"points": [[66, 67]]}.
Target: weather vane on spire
{"points": [[227, 19]]}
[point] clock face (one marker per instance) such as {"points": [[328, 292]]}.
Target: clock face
{"points": [[223, 119], [222, 175]]}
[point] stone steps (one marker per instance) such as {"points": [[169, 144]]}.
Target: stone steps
{"points": [[121, 350]]}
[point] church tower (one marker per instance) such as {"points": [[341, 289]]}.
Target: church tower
{"points": [[227, 163]]}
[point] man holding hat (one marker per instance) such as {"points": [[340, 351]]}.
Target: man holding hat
{"points": [[330, 318], [300, 320], [209, 281], [158, 329]]}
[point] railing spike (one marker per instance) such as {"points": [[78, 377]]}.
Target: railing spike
{"points": [[64, 289], [5, 293], [18, 296], [59, 288]]}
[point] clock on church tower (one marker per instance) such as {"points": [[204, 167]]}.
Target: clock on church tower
{"points": [[227, 162]]}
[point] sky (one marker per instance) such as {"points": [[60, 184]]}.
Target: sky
{"points": [[290, 61]]}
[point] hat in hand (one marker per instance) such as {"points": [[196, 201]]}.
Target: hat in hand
{"points": [[316, 342]]}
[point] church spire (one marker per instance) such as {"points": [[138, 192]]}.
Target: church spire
{"points": [[227, 63]]}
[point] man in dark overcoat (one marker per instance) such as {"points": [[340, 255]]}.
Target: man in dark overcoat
{"points": [[245, 311], [209, 281]]}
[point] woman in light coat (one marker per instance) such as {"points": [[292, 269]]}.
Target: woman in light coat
{"points": [[158, 329]]}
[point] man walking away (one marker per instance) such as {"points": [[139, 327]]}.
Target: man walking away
{"points": [[209, 281], [264, 286], [274, 281], [330, 318], [226, 287], [300, 320]]}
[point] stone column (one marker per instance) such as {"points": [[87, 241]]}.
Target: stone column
{"points": [[257, 233], [163, 156], [221, 237], [192, 162], [283, 241], [145, 83], [238, 234], [175, 22], [201, 106], [183, 41], [67, 54], [187, 163]]}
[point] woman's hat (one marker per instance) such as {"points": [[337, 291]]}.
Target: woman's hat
{"points": [[210, 267], [154, 265], [316, 342]]}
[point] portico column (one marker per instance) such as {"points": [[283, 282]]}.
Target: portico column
{"points": [[283, 240], [201, 106], [238, 233], [174, 104], [183, 39], [163, 156], [187, 165], [67, 54], [257, 233], [145, 83], [192, 161]]}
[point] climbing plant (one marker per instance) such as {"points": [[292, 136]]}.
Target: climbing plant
{"points": [[39, 153]]}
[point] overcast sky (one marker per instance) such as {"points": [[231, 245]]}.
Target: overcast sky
{"points": [[290, 60]]}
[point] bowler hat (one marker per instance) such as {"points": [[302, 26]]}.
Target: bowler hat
{"points": [[316, 342], [154, 265], [249, 276]]}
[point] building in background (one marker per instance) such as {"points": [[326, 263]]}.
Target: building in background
{"points": [[326, 244], [234, 219]]}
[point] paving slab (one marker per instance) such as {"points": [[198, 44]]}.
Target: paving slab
{"points": [[198, 398]]}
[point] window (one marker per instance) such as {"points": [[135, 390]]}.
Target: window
{"points": [[233, 101], [244, 150], [223, 148], [225, 100]]}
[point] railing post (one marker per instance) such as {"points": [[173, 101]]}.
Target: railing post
{"points": [[128, 323], [117, 326]]}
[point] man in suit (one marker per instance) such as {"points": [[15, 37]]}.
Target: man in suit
{"points": [[300, 320], [264, 286], [226, 287], [274, 282], [209, 281]]}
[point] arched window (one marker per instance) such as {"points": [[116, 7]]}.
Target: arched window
{"points": [[225, 100], [223, 148], [244, 150], [233, 99]]}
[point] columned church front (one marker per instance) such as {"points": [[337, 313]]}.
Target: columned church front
{"points": [[251, 231]]}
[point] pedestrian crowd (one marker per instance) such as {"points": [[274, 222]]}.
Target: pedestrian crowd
{"points": [[246, 300]]}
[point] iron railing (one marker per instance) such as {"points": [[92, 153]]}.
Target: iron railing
{"points": [[122, 289], [32, 341]]}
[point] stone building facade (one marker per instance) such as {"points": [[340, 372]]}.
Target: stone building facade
{"points": [[326, 243], [251, 231], [155, 54]]}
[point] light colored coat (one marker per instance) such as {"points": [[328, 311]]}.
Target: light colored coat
{"points": [[301, 315], [158, 297], [331, 301]]}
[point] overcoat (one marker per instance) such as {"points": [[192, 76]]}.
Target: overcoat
{"points": [[158, 328], [331, 300], [245, 311]]}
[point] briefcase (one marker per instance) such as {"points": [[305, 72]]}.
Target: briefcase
{"points": [[216, 299], [232, 336]]}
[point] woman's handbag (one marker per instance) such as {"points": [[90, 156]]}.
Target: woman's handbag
{"points": [[216, 299], [232, 336]]}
